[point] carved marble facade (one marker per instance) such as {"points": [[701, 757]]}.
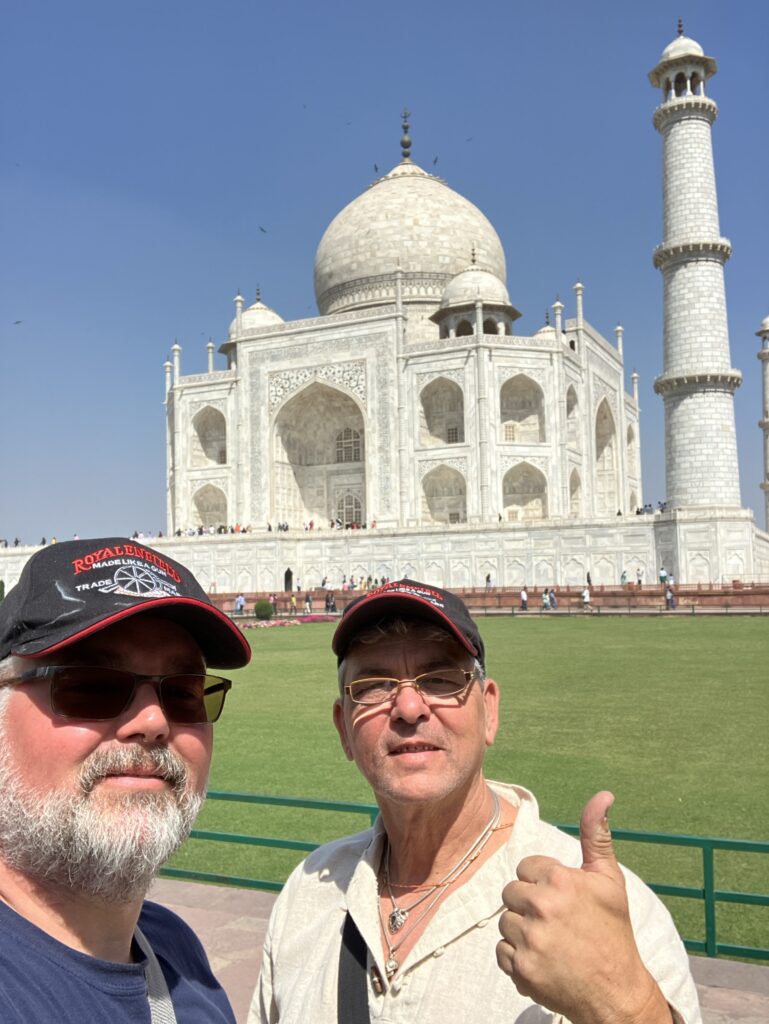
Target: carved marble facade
{"points": [[409, 404]]}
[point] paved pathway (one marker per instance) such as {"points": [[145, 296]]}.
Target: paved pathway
{"points": [[231, 924]]}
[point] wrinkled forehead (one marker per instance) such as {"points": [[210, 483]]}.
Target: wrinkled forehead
{"points": [[375, 649]]}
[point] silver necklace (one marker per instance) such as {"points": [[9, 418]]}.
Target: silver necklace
{"points": [[399, 915]]}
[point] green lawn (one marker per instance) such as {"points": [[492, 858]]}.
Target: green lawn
{"points": [[672, 714]]}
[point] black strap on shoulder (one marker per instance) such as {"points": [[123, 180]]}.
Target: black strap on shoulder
{"points": [[352, 990]]}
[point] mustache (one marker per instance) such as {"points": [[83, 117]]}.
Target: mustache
{"points": [[159, 761]]}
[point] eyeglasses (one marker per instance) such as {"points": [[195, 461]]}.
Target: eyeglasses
{"points": [[435, 686], [99, 694]]}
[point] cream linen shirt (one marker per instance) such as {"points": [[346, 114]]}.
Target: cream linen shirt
{"points": [[451, 974]]}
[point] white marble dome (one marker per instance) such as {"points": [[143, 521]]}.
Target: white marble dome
{"points": [[255, 317], [682, 46], [407, 217], [472, 284]]}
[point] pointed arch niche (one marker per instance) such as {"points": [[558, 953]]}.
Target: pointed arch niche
{"points": [[210, 504], [524, 493], [606, 490], [444, 496], [318, 456], [572, 414], [630, 450], [522, 410], [575, 494], [441, 414], [209, 438]]}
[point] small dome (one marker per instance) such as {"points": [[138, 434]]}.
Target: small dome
{"points": [[256, 317], [472, 284], [676, 54], [682, 46], [764, 326], [546, 331]]}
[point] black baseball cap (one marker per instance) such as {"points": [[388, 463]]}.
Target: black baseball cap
{"points": [[411, 600], [68, 591]]}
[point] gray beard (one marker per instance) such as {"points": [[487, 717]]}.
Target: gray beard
{"points": [[105, 846]]}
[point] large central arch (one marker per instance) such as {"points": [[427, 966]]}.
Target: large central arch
{"points": [[318, 456]]}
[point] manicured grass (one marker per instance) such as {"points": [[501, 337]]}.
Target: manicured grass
{"points": [[671, 714]]}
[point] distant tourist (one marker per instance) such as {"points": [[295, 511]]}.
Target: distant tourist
{"points": [[553, 599], [524, 599], [240, 604], [545, 600], [663, 575], [586, 599]]}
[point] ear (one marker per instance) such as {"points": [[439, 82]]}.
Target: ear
{"points": [[341, 728], [491, 705]]}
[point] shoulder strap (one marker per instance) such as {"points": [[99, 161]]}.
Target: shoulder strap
{"points": [[352, 990], [158, 996]]}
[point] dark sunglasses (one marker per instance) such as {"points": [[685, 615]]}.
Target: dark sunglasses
{"points": [[99, 694]]}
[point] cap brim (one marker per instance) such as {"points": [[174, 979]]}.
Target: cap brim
{"points": [[369, 611], [221, 642]]}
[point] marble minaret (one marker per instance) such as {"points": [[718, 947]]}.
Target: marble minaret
{"points": [[763, 355], [698, 382]]}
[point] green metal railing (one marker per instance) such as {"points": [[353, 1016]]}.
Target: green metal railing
{"points": [[707, 893]]}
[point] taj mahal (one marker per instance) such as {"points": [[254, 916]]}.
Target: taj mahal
{"points": [[409, 402], [407, 430]]}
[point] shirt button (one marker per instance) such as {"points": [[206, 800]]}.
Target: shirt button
{"points": [[439, 951], [396, 986]]}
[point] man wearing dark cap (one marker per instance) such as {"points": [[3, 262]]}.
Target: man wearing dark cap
{"points": [[401, 923], [106, 722]]}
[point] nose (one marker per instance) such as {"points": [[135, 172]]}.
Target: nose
{"points": [[409, 704], [144, 718]]}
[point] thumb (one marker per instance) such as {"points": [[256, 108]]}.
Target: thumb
{"points": [[594, 834]]}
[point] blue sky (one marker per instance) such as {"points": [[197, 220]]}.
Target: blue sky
{"points": [[145, 144]]}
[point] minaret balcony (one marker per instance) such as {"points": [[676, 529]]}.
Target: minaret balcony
{"points": [[684, 251], [681, 107], [728, 380]]}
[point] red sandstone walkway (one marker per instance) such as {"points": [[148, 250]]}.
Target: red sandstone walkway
{"points": [[231, 924]]}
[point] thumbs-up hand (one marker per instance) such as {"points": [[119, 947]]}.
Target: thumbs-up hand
{"points": [[567, 941]]}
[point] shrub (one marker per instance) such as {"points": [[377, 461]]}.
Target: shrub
{"points": [[263, 609]]}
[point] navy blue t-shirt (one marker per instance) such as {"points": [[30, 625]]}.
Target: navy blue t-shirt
{"points": [[44, 981]]}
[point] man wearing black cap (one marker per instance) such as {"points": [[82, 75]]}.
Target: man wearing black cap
{"points": [[400, 923], [106, 712]]}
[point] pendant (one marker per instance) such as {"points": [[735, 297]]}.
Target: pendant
{"points": [[397, 919], [391, 967]]}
